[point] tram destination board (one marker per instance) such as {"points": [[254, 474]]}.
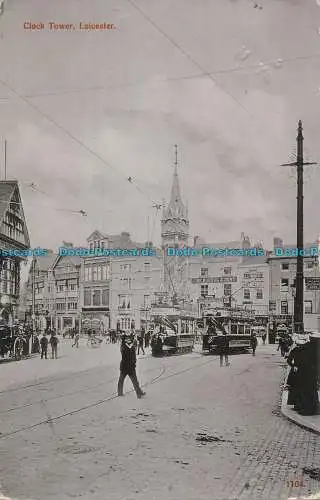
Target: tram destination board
{"points": [[312, 283]]}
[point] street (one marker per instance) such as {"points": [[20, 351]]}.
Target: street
{"points": [[201, 433]]}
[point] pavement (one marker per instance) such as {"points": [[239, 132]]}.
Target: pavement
{"points": [[201, 433], [311, 422]]}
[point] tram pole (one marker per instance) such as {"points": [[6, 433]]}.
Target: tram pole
{"points": [[299, 295]]}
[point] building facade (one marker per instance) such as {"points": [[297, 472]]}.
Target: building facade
{"points": [[236, 281], [134, 282], [13, 237], [95, 282], [282, 272], [39, 298], [66, 292]]}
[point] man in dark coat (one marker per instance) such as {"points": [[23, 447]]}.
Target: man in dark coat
{"points": [[253, 343], [141, 337], [223, 348], [44, 346], [128, 365]]}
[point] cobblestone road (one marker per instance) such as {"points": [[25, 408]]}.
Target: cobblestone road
{"points": [[202, 433]]}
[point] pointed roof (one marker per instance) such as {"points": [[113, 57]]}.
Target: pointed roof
{"points": [[176, 208], [10, 193]]}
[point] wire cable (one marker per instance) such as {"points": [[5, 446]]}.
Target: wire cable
{"points": [[73, 137]]}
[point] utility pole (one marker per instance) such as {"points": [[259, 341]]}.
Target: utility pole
{"points": [[299, 299]]}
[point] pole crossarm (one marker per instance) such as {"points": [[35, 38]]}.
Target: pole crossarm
{"points": [[298, 164]]}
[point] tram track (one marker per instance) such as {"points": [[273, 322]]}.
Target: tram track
{"points": [[159, 378], [59, 396], [71, 393]]}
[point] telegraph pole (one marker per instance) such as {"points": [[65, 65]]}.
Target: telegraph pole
{"points": [[299, 299]]}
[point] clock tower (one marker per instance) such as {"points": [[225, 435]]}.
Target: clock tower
{"points": [[174, 234]]}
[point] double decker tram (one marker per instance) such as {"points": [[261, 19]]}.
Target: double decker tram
{"points": [[236, 324], [173, 334]]}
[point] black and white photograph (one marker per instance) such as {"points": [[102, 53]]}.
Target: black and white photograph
{"points": [[159, 250]]}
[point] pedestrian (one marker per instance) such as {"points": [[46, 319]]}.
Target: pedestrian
{"points": [[253, 343], [76, 340], [54, 345], [264, 336], [294, 381], [147, 339], [44, 345], [309, 378], [223, 348], [128, 365], [141, 337]]}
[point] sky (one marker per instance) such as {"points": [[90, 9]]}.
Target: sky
{"points": [[227, 81]]}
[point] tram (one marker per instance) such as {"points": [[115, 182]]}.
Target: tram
{"points": [[238, 325], [173, 333]]}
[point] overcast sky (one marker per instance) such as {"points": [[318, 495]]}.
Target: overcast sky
{"points": [[83, 111]]}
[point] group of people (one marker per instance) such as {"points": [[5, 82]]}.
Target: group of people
{"points": [[49, 337], [304, 377]]}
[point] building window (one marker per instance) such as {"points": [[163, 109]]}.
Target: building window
{"points": [[72, 305], [272, 306], [146, 301], [285, 266], [105, 297], [60, 288], [227, 288], [204, 272], [259, 293], [308, 306], [99, 272], [246, 294], [105, 272], [310, 265], [73, 287], [284, 307], [125, 267], [94, 273], [147, 267], [122, 301], [227, 270], [60, 306], [204, 290], [284, 285], [87, 297], [96, 298]]}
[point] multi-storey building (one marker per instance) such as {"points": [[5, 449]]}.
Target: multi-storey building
{"points": [[39, 298], [13, 237], [134, 283], [95, 281], [239, 281], [66, 291], [282, 271]]}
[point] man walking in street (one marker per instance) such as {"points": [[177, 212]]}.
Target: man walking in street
{"points": [[253, 343], [128, 365], [54, 345], [76, 340], [141, 336], [223, 349], [44, 346]]}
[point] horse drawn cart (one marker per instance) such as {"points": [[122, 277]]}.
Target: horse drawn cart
{"points": [[14, 344]]}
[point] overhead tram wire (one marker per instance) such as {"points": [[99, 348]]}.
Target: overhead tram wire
{"points": [[72, 137], [101, 88], [188, 56]]}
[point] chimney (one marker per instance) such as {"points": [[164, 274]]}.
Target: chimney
{"points": [[277, 243], [195, 239]]}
